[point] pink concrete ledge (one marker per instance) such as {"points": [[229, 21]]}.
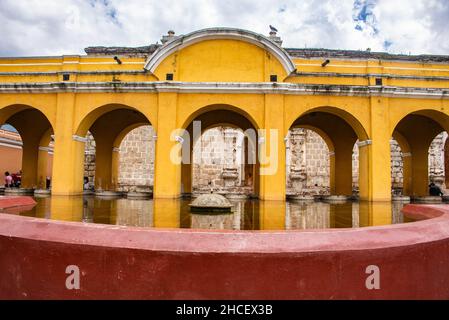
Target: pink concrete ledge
{"points": [[136, 263]]}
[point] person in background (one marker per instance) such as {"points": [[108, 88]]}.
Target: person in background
{"points": [[86, 183], [8, 180], [16, 178], [435, 190]]}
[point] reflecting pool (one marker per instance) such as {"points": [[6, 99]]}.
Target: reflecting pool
{"points": [[245, 215]]}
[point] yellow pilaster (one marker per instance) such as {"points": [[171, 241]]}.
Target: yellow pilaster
{"points": [[167, 173], [420, 170], [115, 167], [29, 164], [103, 164], [272, 150], [42, 164], [343, 169], [375, 165], [68, 158]]}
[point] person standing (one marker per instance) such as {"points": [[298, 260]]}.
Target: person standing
{"points": [[8, 180], [435, 190]]}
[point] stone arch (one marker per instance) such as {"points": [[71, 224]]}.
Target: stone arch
{"points": [[212, 116], [220, 161], [417, 130], [35, 128], [108, 124], [220, 107], [89, 119], [6, 112], [343, 130]]}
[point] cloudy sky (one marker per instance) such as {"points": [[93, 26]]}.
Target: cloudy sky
{"points": [[54, 27]]}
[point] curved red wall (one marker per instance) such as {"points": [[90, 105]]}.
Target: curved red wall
{"points": [[134, 263]]}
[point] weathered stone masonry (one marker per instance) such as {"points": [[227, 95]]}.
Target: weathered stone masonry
{"points": [[218, 162]]}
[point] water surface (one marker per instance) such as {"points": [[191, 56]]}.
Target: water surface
{"points": [[245, 215]]}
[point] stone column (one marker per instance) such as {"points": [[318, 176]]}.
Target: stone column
{"points": [[167, 175], [68, 157], [272, 150]]}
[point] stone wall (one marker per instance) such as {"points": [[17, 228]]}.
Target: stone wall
{"points": [[218, 162], [218, 158], [307, 163], [136, 170]]}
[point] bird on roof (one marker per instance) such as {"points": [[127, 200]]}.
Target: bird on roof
{"points": [[273, 28]]}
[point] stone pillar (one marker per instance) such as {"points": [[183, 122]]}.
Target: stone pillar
{"points": [[375, 163], [30, 157], [343, 168], [42, 165], [167, 175], [103, 163], [272, 150], [68, 157]]}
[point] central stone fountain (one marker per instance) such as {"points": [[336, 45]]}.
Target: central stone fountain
{"points": [[210, 203]]}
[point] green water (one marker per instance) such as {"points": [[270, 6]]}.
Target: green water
{"points": [[245, 215]]}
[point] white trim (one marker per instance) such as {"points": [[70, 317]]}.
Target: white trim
{"points": [[364, 143], [406, 154], [331, 154], [47, 149], [7, 145], [10, 142], [67, 62], [369, 66], [179, 139], [226, 87], [115, 149], [261, 140], [181, 42], [79, 139]]}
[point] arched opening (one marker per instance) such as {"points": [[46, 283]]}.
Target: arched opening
{"points": [[220, 162], [418, 155], [308, 158], [331, 148], [119, 149], [220, 154], [26, 146]]}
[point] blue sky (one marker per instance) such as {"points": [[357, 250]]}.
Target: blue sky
{"points": [[55, 27]]}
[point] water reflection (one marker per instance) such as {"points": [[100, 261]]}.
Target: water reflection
{"points": [[245, 215]]}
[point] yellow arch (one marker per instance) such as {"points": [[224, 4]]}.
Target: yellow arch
{"points": [[89, 119], [213, 107], [8, 111], [350, 119]]}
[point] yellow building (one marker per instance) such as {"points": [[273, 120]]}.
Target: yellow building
{"points": [[233, 77]]}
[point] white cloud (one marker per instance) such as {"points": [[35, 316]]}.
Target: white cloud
{"points": [[54, 27]]}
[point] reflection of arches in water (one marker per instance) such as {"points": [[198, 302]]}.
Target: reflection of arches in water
{"points": [[300, 216], [122, 212]]}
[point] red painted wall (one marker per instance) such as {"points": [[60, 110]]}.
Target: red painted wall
{"points": [[134, 263]]}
